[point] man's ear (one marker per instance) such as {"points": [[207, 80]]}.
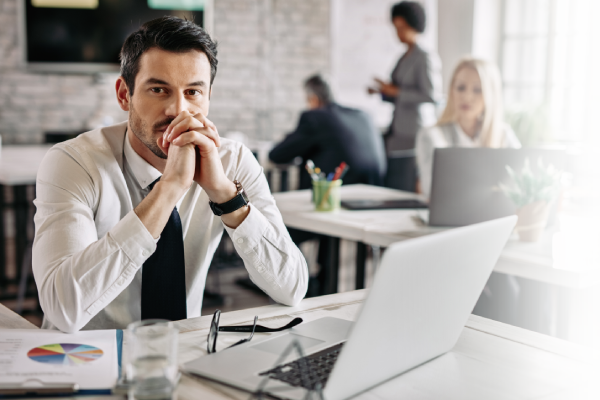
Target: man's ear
{"points": [[122, 94]]}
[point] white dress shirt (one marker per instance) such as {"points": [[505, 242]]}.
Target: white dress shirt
{"points": [[90, 245], [448, 135]]}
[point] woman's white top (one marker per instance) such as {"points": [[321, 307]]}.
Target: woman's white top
{"points": [[449, 135]]}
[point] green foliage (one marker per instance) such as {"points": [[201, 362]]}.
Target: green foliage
{"points": [[531, 123], [528, 186]]}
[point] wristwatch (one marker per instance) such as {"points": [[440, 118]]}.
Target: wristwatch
{"points": [[232, 205]]}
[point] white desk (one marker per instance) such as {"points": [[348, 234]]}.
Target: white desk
{"points": [[491, 360], [384, 227]]}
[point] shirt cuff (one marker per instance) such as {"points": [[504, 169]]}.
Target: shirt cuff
{"points": [[133, 238], [247, 234]]}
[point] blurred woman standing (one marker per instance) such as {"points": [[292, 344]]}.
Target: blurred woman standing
{"points": [[473, 117], [416, 80]]}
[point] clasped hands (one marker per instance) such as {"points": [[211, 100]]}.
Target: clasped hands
{"points": [[191, 143]]}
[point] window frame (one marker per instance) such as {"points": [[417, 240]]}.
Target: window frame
{"points": [[566, 133]]}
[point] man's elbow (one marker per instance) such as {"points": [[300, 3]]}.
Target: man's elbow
{"points": [[63, 322], [297, 291], [67, 321]]}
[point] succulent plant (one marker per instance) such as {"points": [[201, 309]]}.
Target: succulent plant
{"points": [[530, 186]]}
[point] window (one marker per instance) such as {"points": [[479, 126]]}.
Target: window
{"points": [[544, 55]]}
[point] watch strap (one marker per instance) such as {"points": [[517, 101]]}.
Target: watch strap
{"points": [[239, 201]]}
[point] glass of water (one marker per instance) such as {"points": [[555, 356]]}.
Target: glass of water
{"points": [[153, 359]]}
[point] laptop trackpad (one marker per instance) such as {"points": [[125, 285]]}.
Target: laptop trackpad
{"points": [[278, 345]]}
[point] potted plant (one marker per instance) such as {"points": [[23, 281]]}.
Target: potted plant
{"points": [[532, 192], [530, 123]]}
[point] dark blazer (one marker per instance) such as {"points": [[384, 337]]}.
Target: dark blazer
{"points": [[333, 134], [418, 75]]}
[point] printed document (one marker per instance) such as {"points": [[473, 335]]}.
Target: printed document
{"points": [[34, 357]]}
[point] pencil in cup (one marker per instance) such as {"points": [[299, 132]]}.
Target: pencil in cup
{"points": [[327, 195]]}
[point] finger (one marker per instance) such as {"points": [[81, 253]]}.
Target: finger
{"points": [[209, 124], [204, 144], [193, 125], [379, 81], [182, 115], [186, 124], [163, 145]]}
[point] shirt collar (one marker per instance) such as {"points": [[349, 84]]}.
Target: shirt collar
{"points": [[143, 172]]}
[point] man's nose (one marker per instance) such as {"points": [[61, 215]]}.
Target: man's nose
{"points": [[177, 104]]}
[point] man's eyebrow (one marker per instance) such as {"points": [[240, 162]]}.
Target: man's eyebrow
{"points": [[156, 81]]}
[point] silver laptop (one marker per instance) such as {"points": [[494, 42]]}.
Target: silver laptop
{"points": [[465, 189], [417, 307]]}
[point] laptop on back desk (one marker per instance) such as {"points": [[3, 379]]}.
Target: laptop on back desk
{"points": [[416, 310], [465, 183]]}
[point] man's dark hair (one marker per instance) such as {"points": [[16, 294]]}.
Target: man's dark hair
{"points": [[167, 33], [317, 86], [412, 12]]}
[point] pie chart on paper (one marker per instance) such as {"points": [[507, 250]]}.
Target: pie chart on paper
{"points": [[65, 354]]}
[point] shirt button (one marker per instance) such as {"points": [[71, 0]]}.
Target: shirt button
{"points": [[260, 268], [121, 281], [240, 240], [145, 253]]}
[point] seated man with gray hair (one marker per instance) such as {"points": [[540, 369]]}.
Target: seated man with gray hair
{"points": [[328, 134]]}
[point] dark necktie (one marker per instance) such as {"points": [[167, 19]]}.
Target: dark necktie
{"points": [[163, 274]]}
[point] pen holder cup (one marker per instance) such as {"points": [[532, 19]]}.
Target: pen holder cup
{"points": [[326, 195]]}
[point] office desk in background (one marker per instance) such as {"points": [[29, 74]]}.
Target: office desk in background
{"points": [[491, 360], [568, 255], [18, 171]]}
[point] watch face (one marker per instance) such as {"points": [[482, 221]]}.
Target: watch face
{"points": [[245, 196]]}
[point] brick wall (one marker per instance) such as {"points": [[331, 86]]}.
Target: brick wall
{"points": [[266, 49]]}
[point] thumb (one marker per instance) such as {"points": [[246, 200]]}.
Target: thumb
{"points": [[163, 144]]}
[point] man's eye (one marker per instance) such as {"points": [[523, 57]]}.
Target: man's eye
{"points": [[157, 90], [194, 92]]}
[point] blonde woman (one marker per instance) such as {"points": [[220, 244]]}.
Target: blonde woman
{"points": [[473, 117]]}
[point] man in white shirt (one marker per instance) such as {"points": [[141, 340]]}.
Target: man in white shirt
{"points": [[124, 232]]}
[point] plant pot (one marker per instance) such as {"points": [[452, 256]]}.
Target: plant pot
{"points": [[532, 221]]}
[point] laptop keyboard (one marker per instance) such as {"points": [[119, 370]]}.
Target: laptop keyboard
{"points": [[319, 367]]}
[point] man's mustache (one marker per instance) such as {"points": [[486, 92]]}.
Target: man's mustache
{"points": [[162, 124]]}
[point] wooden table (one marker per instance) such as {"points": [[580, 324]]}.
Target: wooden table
{"points": [[568, 255], [491, 360]]}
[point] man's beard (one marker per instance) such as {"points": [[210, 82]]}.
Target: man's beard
{"points": [[145, 135]]}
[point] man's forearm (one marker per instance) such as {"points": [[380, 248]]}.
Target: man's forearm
{"points": [[154, 211]]}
